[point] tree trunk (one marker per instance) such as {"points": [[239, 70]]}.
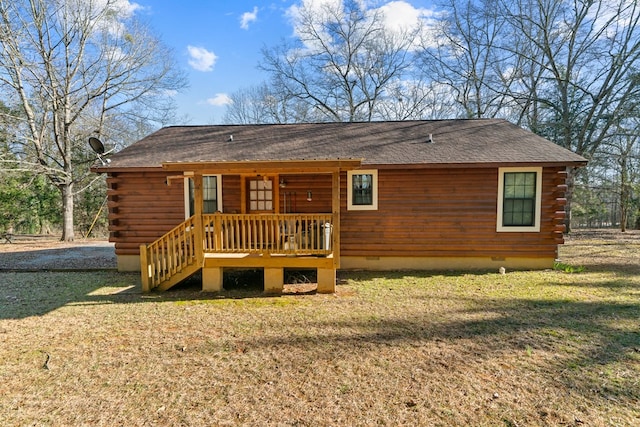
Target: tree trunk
{"points": [[571, 183], [624, 214], [624, 195], [67, 212]]}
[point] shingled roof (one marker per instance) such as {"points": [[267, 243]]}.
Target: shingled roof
{"points": [[453, 142]]}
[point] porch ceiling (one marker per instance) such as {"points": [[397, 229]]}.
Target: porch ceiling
{"points": [[265, 167]]}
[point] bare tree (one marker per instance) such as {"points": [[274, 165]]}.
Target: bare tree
{"points": [[72, 67], [267, 104], [467, 57], [247, 106], [416, 100], [584, 57], [566, 69], [344, 61], [620, 154]]}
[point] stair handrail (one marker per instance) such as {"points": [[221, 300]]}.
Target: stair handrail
{"points": [[168, 255]]}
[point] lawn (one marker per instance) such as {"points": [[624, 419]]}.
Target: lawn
{"points": [[405, 348]]}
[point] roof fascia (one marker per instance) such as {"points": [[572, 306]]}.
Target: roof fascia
{"points": [[117, 169], [473, 165], [266, 166]]}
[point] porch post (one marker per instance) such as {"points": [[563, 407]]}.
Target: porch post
{"points": [[144, 269], [335, 209], [327, 276], [197, 212]]}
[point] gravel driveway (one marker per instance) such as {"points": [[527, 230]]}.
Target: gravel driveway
{"points": [[42, 254]]}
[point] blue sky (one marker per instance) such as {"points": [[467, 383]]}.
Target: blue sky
{"points": [[218, 43]]}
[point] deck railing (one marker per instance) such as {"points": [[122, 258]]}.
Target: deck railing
{"points": [[290, 234], [177, 252], [169, 255]]}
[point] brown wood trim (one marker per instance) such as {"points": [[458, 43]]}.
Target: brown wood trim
{"points": [[265, 167]]}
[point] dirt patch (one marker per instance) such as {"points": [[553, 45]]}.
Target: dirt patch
{"points": [[47, 253]]}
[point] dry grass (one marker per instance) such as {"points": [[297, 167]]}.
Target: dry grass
{"points": [[520, 349]]}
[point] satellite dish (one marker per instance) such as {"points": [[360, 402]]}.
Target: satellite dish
{"points": [[98, 147]]}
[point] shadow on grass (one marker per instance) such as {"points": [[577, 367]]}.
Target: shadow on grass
{"points": [[588, 332], [25, 293], [36, 293], [583, 337]]}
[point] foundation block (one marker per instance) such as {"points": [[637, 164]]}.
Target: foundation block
{"points": [[326, 280], [273, 280]]}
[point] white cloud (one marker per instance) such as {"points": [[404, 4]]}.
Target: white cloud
{"points": [[318, 8], [321, 11], [125, 8], [219, 100], [107, 16], [201, 58], [402, 16], [397, 16], [248, 17]]}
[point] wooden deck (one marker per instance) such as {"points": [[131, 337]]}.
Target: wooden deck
{"points": [[212, 242]]}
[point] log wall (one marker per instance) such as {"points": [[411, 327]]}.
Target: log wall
{"points": [[142, 207], [448, 213], [421, 212]]}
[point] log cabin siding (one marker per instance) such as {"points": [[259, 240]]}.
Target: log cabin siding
{"points": [[142, 207], [231, 194], [296, 187], [447, 213], [427, 212]]}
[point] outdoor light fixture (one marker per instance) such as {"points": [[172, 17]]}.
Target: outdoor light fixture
{"points": [[309, 196]]}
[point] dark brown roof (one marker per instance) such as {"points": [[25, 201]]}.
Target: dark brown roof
{"points": [[459, 142]]}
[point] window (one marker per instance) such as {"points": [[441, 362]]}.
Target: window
{"points": [[519, 198], [211, 195], [362, 190]]}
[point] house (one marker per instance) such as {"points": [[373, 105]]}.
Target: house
{"points": [[444, 194]]}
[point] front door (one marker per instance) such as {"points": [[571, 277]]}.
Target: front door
{"points": [[260, 195]]}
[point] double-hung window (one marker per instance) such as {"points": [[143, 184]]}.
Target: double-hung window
{"points": [[362, 190], [519, 199], [211, 195]]}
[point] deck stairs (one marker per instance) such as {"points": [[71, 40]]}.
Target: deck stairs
{"points": [[171, 258]]}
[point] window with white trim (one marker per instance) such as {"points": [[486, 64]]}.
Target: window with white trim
{"points": [[519, 199], [362, 190], [211, 195]]}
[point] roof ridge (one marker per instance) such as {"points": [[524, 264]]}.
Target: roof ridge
{"points": [[467, 119]]}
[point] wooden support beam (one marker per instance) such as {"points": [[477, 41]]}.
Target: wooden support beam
{"points": [[179, 177], [198, 226], [335, 210], [265, 167], [144, 269]]}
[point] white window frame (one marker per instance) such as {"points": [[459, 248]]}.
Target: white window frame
{"points": [[374, 196], [536, 225], [218, 193]]}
